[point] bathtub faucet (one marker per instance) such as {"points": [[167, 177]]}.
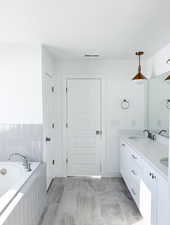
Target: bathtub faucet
{"points": [[26, 163]]}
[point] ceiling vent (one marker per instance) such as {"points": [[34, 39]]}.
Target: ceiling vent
{"points": [[91, 55]]}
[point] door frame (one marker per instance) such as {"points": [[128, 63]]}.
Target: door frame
{"points": [[102, 153], [47, 78]]}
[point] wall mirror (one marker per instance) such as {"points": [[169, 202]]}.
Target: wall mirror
{"points": [[159, 105]]}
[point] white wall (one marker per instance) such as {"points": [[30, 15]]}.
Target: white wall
{"points": [[21, 69], [21, 84], [118, 85]]}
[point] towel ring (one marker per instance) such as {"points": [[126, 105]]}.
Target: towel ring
{"points": [[125, 104]]}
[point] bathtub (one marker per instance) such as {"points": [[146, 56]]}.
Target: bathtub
{"points": [[12, 182]]}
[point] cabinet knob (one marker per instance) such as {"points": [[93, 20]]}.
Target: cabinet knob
{"points": [[133, 172], [153, 176], [47, 139], [168, 61], [133, 192], [133, 156]]}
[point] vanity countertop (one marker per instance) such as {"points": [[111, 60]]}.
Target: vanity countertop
{"points": [[151, 151]]}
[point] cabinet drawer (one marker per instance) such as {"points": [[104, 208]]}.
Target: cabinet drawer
{"points": [[135, 173], [135, 164], [134, 188], [135, 178], [133, 156]]}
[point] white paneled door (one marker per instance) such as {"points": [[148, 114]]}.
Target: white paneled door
{"points": [[83, 124]]}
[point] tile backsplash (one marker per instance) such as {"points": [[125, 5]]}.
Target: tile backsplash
{"points": [[26, 139]]}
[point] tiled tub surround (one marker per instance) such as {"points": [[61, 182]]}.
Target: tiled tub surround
{"points": [[30, 202], [22, 138]]}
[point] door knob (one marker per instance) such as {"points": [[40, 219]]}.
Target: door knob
{"points": [[98, 132], [47, 139]]}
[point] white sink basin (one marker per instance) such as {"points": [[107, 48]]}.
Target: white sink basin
{"points": [[136, 137]]}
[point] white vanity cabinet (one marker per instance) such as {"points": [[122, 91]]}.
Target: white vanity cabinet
{"points": [[148, 188]]}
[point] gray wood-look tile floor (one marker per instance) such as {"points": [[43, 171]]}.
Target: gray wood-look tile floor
{"points": [[87, 201]]}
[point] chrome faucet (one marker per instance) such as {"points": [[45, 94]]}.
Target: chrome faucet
{"points": [[148, 132], [26, 163], [150, 135]]}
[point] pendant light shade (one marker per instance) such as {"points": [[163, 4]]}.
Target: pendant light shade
{"points": [[167, 80], [139, 77]]}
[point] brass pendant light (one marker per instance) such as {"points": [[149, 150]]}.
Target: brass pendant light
{"points": [[139, 77], [167, 80]]}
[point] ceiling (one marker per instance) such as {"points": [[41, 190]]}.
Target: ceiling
{"points": [[115, 29]]}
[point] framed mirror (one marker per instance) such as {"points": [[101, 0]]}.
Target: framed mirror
{"points": [[159, 105]]}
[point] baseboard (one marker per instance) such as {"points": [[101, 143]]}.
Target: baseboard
{"points": [[111, 174]]}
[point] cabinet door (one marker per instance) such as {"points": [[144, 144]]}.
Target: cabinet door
{"points": [[162, 201], [147, 202]]}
